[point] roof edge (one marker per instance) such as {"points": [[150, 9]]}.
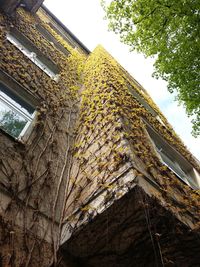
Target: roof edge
{"points": [[66, 29]]}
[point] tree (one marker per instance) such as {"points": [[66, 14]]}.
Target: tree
{"points": [[11, 122], [169, 30]]}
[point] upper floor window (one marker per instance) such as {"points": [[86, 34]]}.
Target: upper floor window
{"points": [[144, 103], [17, 111], [48, 36], [61, 32], [31, 51], [174, 160]]}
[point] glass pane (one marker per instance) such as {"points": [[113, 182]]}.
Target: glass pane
{"points": [[10, 121], [174, 167], [15, 101]]}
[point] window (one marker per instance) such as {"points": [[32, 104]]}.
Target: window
{"points": [[61, 32], [143, 102], [160, 120], [173, 160], [48, 36], [17, 111], [28, 49]]}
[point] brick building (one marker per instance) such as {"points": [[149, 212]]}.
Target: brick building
{"points": [[91, 172]]}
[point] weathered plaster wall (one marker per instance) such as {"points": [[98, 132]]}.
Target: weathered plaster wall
{"points": [[34, 174], [15, 245]]}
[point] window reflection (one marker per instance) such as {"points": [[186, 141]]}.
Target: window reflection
{"points": [[10, 121], [15, 113]]}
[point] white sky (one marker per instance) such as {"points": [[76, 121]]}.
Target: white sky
{"points": [[84, 18]]}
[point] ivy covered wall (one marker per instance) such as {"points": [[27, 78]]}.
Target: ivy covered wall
{"points": [[113, 152], [88, 148], [34, 173]]}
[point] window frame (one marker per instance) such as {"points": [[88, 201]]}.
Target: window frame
{"points": [[26, 96], [187, 173], [51, 39], [62, 33], [144, 103], [22, 43]]}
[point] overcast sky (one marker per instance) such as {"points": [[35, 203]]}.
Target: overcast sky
{"points": [[85, 19]]}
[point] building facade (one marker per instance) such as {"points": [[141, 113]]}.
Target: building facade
{"points": [[91, 172]]}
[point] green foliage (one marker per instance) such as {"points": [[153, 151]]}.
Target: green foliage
{"points": [[12, 123], [170, 31]]}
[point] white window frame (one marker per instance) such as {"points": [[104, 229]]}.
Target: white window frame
{"points": [[16, 90], [178, 165], [20, 41]]}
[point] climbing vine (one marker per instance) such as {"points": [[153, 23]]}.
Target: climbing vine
{"points": [[89, 135], [112, 135], [35, 174]]}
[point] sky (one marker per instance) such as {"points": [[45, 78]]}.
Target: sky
{"points": [[85, 19]]}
